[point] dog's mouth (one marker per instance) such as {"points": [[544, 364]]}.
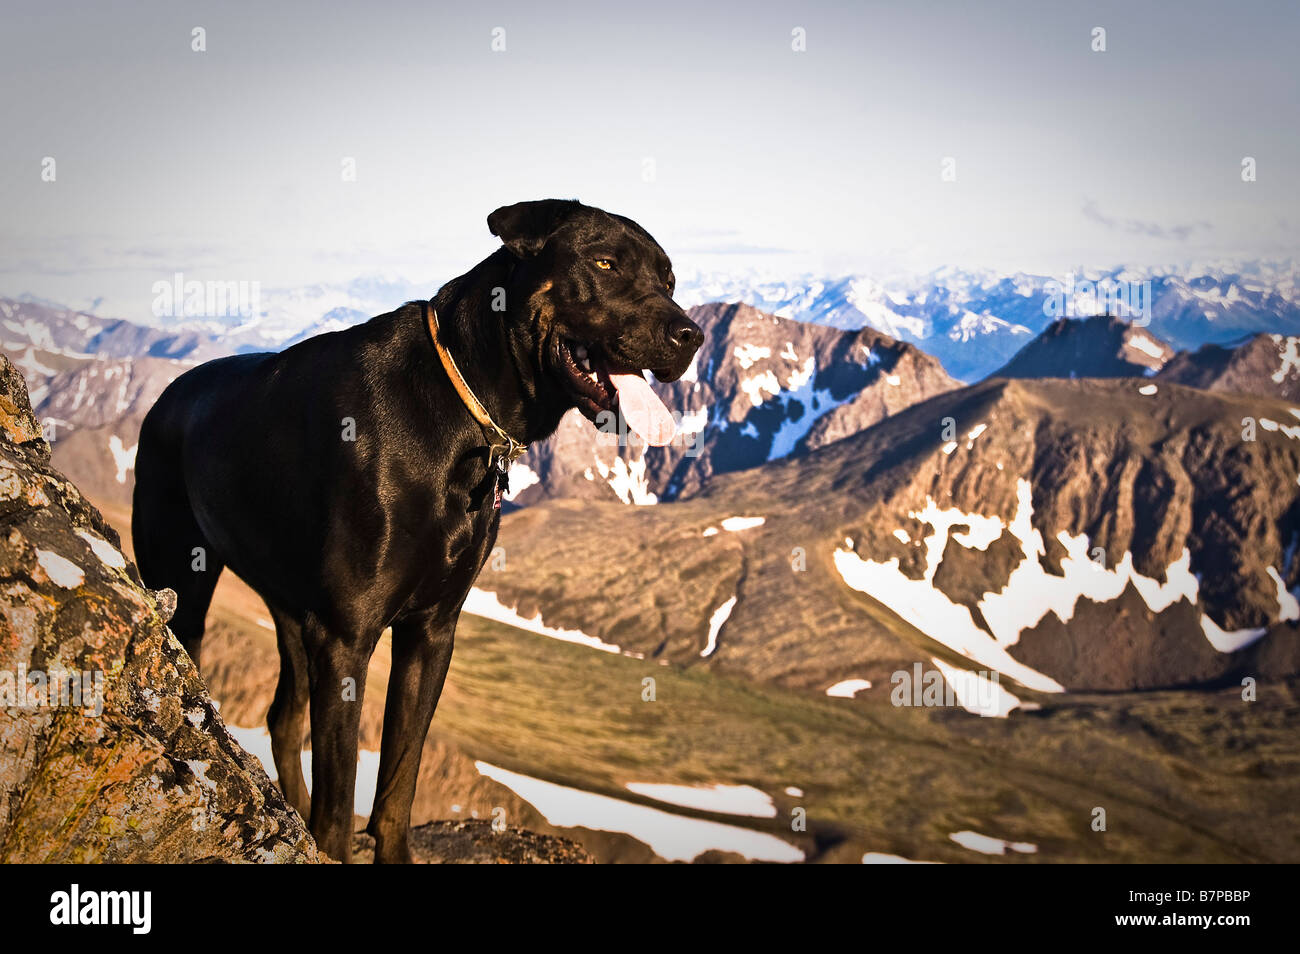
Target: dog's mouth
{"points": [[600, 383], [586, 376]]}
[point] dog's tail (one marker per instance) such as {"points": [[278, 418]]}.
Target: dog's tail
{"points": [[171, 550]]}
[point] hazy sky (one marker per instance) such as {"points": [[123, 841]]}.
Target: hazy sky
{"points": [[227, 163]]}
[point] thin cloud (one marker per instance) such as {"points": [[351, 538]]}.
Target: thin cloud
{"points": [[1138, 227]]}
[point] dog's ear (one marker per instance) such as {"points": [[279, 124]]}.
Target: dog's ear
{"points": [[525, 226]]}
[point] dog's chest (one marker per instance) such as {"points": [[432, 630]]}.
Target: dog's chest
{"points": [[451, 558]]}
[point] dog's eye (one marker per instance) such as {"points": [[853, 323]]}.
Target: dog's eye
{"points": [[605, 263]]}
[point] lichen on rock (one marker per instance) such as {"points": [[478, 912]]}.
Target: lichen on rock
{"points": [[111, 749]]}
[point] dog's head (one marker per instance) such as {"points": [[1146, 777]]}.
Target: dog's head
{"points": [[599, 293]]}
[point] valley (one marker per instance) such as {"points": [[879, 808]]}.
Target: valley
{"points": [[1182, 775]]}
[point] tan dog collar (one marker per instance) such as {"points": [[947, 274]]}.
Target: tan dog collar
{"points": [[504, 450]]}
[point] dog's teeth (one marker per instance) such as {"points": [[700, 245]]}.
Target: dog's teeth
{"points": [[580, 352]]}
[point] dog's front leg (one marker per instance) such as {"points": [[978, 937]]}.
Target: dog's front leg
{"points": [[421, 654], [338, 681]]}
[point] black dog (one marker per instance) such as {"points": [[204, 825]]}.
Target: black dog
{"points": [[352, 481]]}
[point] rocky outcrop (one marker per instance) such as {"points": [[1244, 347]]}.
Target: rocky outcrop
{"points": [[1097, 347], [476, 842], [1261, 364], [92, 416], [771, 387], [110, 748]]}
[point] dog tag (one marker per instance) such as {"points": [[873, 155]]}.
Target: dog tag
{"points": [[502, 483]]}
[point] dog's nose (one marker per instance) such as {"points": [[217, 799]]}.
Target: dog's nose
{"points": [[684, 333]]}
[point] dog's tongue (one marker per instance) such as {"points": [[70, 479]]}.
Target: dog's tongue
{"points": [[643, 410]]}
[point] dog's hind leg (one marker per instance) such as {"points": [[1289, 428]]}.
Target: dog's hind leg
{"points": [[337, 658], [288, 712], [170, 549], [421, 656]]}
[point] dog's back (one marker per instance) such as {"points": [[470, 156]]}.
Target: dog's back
{"points": [[171, 549], [260, 462]]}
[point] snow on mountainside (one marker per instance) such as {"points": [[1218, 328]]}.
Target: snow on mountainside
{"points": [[774, 387], [937, 312], [62, 333], [291, 314], [282, 316]]}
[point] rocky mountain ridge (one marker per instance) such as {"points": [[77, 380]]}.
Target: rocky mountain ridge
{"points": [[1100, 347], [1040, 529], [1260, 364], [1110, 347]]}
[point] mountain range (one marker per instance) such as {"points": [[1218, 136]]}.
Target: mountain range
{"points": [[761, 388], [888, 479], [1096, 541], [975, 320]]}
